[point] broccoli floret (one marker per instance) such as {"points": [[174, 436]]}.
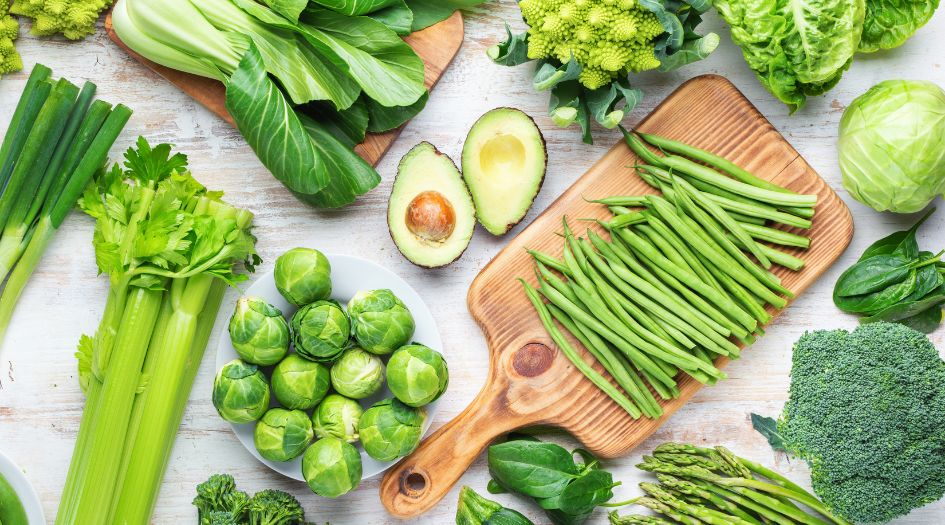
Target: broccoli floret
{"points": [[275, 507], [213, 493], [218, 517], [608, 38], [73, 19], [867, 411]]}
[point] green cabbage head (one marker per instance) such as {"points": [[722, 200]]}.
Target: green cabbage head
{"points": [[892, 146]]}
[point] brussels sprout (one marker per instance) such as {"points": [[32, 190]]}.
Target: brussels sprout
{"points": [[391, 429], [240, 392], [303, 276], [258, 331], [379, 321], [282, 435], [337, 416], [320, 331], [417, 375], [299, 383], [357, 374], [331, 467]]}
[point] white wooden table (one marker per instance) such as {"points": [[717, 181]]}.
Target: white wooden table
{"points": [[40, 401]]}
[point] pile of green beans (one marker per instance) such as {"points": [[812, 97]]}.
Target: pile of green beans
{"points": [[681, 279]]}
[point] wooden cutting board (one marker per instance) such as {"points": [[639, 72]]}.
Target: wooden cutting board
{"points": [[530, 382], [437, 45]]}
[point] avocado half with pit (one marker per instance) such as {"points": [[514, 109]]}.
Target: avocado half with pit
{"points": [[430, 213], [504, 161]]}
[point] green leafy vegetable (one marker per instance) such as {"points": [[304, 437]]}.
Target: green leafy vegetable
{"points": [[797, 49], [473, 509], [889, 23], [892, 146]]}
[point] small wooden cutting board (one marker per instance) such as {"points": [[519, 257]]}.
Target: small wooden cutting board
{"points": [[530, 382], [437, 45]]}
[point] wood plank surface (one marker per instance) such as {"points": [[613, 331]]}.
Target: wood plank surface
{"points": [[437, 45], [530, 381]]}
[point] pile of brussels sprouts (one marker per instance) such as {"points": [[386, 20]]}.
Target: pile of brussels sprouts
{"points": [[337, 360]]}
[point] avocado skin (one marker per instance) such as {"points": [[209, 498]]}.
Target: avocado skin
{"points": [[462, 205], [541, 144]]}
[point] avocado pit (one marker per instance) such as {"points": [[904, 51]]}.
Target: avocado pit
{"points": [[430, 216]]}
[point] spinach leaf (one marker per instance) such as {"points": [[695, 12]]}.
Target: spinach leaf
{"points": [[925, 322], [928, 280], [584, 494], [901, 242], [494, 488], [876, 301], [272, 128], [873, 274], [429, 12], [907, 309], [768, 427], [532, 468]]}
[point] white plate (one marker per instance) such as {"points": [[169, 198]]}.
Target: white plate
{"points": [[23, 489], [349, 275]]}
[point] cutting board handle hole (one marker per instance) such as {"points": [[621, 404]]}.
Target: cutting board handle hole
{"points": [[532, 359], [413, 484]]}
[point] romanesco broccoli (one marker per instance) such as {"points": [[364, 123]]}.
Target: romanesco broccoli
{"points": [[73, 19], [9, 29], [867, 411], [608, 38]]}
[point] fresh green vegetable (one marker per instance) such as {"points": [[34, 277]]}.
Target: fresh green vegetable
{"points": [[391, 429], [892, 146], [57, 140], [867, 411], [258, 331], [240, 392], [11, 508], [320, 331], [585, 52], [332, 467], [380, 322], [889, 24], [894, 281], [796, 49], [303, 276], [282, 435], [713, 486], [73, 19], [300, 384], [474, 509], [219, 503], [303, 83], [10, 60], [337, 416], [417, 375], [567, 490], [357, 374], [169, 247]]}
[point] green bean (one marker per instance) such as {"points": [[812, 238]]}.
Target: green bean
{"points": [[711, 176], [700, 241], [778, 257], [776, 236], [637, 201], [595, 377], [742, 295], [579, 315], [722, 217], [611, 362], [746, 219], [696, 306], [641, 292], [665, 239], [619, 210], [640, 149], [725, 303], [548, 261], [628, 219]]}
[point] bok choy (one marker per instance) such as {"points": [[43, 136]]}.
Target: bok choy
{"points": [[304, 80], [169, 248]]}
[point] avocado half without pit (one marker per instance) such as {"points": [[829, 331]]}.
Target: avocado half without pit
{"points": [[504, 161], [430, 213]]}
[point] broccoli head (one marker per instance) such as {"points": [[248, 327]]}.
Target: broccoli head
{"points": [[275, 507], [73, 19], [219, 517], [10, 60], [609, 38], [212, 494], [867, 411]]}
